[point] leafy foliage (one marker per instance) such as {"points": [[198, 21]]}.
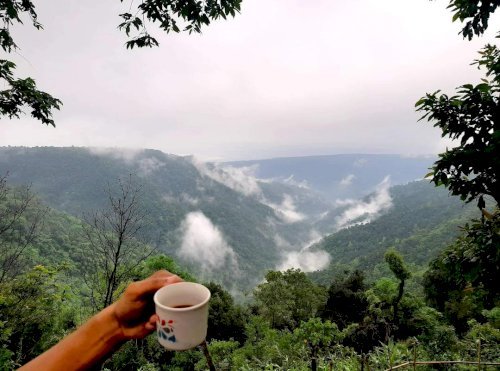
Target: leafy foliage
{"points": [[398, 267], [476, 14], [173, 16], [421, 223], [317, 335], [226, 319], [471, 169], [21, 92], [345, 293], [10, 12], [286, 298], [28, 307], [462, 281], [167, 14], [20, 221]]}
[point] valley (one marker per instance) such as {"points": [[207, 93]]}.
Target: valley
{"points": [[233, 222]]}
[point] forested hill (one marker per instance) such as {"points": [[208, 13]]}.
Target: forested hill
{"points": [[226, 225], [75, 180], [421, 223]]}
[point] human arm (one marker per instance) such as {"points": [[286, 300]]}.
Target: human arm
{"points": [[131, 317]]}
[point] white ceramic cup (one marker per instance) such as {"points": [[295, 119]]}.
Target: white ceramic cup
{"points": [[182, 309]]}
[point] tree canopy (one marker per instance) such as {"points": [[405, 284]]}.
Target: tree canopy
{"points": [[475, 14], [173, 16], [471, 116]]}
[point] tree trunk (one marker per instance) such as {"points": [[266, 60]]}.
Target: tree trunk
{"points": [[314, 364], [210, 363], [396, 301]]}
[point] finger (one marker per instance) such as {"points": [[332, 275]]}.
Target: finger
{"points": [[141, 331], [161, 274], [151, 285], [150, 325], [154, 319]]}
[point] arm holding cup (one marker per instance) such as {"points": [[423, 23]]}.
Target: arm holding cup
{"points": [[131, 317]]}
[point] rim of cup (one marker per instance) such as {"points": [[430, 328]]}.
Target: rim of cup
{"points": [[164, 288]]}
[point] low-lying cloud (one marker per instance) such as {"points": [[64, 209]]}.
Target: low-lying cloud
{"points": [[347, 180], [360, 162], [360, 212], [239, 179], [146, 166], [204, 244], [286, 211], [305, 259], [193, 201], [126, 154], [243, 180], [301, 184]]}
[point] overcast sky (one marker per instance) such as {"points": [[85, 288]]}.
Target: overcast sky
{"points": [[284, 78]]}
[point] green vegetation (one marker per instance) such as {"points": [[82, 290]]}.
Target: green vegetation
{"points": [[76, 180], [422, 221], [290, 322]]}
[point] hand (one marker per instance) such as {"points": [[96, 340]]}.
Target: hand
{"points": [[134, 311]]}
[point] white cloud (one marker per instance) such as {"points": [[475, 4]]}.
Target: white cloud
{"points": [[347, 180], [148, 165], [360, 162], [303, 259], [281, 243], [125, 154], [243, 180], [247, 83], [346, 202], [190, 200], [306, 261], [203, 243], [286, 211], [301, 184], [168, 198], [130, 156], [363, 212], [239, 179]]}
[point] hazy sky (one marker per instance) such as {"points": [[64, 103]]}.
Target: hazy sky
{"points": [[284, 78]]}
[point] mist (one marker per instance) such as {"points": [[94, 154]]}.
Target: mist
{"points": [[205, 245], [360, 212]]}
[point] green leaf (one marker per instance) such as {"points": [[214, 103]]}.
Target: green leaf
{"points": [[485, 88]]}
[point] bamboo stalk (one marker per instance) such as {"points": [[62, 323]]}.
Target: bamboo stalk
{"points": [[398, 366]]}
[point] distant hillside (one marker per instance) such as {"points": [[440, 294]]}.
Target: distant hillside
{"points": [[341, 176], [191, 206], [225, 224], [422, 221]]}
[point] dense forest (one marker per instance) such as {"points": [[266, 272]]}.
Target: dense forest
{"points": [[261, 220], [379, 302]]}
